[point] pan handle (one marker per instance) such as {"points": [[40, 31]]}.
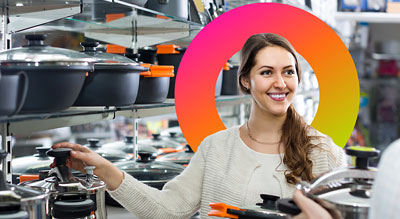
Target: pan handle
{"points": [[288, 206], [23, 91]]}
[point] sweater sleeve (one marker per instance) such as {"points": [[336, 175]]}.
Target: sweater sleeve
{"points": [[180, 197]]}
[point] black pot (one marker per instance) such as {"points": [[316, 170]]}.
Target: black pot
{"points": [[13, 90], [230, 81], [114, 82], [148, 55], [150, 172], [176, 8], [171, 57], [154, 84], [55, 75]]}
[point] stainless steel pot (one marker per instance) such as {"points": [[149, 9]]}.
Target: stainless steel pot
{"points": [[69, 196], [344, 192]]}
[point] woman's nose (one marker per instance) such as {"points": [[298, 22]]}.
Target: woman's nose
{"points": [[279, 82]]}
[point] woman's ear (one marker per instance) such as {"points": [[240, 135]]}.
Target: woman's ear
{"points": [[245, 82]]}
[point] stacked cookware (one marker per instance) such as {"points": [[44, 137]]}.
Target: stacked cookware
{"points": [[69, 196]]}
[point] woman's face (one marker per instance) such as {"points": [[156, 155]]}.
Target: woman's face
{"points": [[273, 80]]}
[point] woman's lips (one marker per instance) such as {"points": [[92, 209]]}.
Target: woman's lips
{"points": [[278, 96]]}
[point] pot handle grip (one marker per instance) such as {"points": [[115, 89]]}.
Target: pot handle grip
{"points": [[287, 206], [23, 91]]}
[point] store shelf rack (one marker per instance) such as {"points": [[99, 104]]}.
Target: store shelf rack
{"points": [[370, 17], [28, 123]]}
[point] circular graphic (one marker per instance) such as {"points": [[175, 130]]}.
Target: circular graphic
{"points": [[224, 36]]}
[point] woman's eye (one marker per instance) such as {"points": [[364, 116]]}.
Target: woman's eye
{"points": [[267, 72], [290, 72]]}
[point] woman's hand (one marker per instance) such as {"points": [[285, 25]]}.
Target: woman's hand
{"points": [[309, 208], [81, 156]]}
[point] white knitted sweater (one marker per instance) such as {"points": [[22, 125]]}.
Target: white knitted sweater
{"points": [[218, 172]]}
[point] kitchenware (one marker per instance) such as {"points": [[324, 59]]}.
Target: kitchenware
{"points": [[148, 171], [266, 210], [31, 165], [163, 144], [127, 146], [108, 153], [71, 197], [218, 84], [13, 91], [170, 55], [100, 9], [170, 7], [174, 133], [147, 55], [10, 202], [154, 84], [55, 75], [344, 192], [230, 80], [114, 82], [182, 157]]}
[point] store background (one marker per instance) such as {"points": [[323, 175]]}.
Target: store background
{"points": [[371, 34]]}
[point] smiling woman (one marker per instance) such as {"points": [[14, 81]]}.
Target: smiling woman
{"points": [[267, 155]]}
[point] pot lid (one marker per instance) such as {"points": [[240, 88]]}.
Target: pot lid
{"points": [[108, 153], [106, 61], [36, 53], [146, 169], [32, 164], [358, 198], [127, 146], [160, 142], [183, 157]]}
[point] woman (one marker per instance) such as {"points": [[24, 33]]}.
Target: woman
{"points": [[268, 154]]}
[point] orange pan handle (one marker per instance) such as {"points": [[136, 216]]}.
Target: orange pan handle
{"points": [[221, 210]]}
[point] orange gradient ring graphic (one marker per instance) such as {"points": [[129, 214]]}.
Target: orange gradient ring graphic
{"points": [[224, 36]]}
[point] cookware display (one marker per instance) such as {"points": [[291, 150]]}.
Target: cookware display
{"points": [[230, 80], [148, 55], [10, 207], [170, 55], [344, 192], [28, 166], [154, 84], [164, 144], [127, 146], [13, 90], [69, 196], [114, 81], [182, 157], [174, 8], [175, 134], [148, 171], [108, 153], [55, 75], [265, 210]]}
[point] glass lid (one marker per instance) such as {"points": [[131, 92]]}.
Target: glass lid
{"points": [[103, 58], [145, 168], [127, 146], [32, 164], [36, 52], [108, 153], [159, 142]]}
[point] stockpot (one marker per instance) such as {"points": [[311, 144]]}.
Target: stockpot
{"points": [[344, 192], [55, 75], [70, 196], [114, 81], [13, 91]]}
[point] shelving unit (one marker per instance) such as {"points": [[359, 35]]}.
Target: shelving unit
{"points": [[370, 17]]}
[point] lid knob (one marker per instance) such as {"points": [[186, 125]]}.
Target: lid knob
{"points": [[269, 201], [173, 134], [129, 139], [35, 39], [156, 136], [89, 170], [94, 142], [60, 155], [89, 46], [362, 155], [145, 157], [42, 151], [189, 149]]}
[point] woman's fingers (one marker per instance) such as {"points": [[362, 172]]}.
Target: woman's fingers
{"points": [[75, 147], [309, 208]]}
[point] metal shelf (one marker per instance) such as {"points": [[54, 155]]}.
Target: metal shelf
{"points": [[381, 56], [28, 123], [370, 17]]}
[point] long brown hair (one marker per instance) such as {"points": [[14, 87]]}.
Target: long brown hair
{"points": [[297, 143]]}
